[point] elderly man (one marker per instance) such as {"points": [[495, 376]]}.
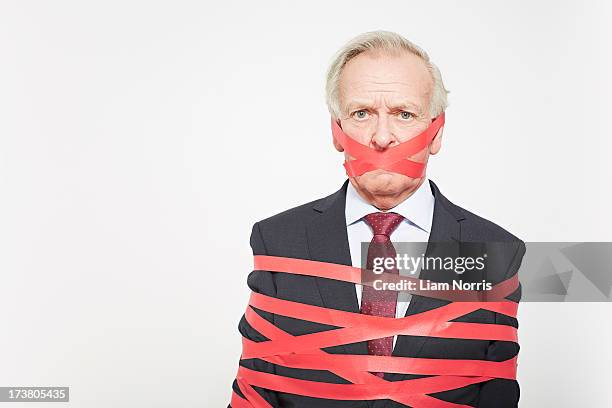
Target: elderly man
{"points": [[386, 98]]}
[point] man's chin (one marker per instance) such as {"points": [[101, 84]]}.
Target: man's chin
{"points": [[384, 182]]}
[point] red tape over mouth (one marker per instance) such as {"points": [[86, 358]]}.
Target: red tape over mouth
{"points": [[304, 351], [393, 159]]}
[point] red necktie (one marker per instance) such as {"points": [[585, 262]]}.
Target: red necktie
{"points": [[380, 302]]}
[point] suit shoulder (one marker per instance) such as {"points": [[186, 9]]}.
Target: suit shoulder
{"points": [[475, 227], [505, 250], [284, 234], [290, 217]]}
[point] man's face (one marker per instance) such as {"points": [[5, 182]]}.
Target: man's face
{"points": [[384, 101]]}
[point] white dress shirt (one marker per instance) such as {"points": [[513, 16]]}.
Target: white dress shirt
{"points": [[417, 211]]}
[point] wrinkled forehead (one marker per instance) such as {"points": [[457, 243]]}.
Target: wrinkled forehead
{"points": [[384, 78]]}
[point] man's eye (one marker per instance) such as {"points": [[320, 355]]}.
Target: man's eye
{"points": [[361, 114], [406, 115]]}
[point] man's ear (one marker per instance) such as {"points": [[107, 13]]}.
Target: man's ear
{"points": [[436, 143], [337, 145]]}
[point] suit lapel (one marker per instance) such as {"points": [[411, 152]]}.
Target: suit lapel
{"points": [[328, 242]]}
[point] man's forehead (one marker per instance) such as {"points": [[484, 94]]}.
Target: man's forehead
{"points": [[402, 80], [394, 96]]}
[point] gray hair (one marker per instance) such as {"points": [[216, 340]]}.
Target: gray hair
{"points": [[381, 41]]}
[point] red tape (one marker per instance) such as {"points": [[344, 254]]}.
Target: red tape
{"points": [[304, 351], [393, 159]]}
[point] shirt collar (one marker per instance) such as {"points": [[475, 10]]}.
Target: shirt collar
{"points": [[416, 209]]}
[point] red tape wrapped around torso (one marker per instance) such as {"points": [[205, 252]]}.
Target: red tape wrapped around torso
{"points": [[304, 351]]}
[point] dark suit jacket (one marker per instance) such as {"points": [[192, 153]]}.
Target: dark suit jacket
{"points": [[317, 231]]}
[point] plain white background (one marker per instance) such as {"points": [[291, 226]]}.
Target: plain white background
{"points": [[139, 141]]}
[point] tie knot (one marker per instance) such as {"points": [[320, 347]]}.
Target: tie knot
{"points": [[383, 223]]}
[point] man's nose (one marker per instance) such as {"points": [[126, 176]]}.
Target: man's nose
{"points": [[382, 138]]}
